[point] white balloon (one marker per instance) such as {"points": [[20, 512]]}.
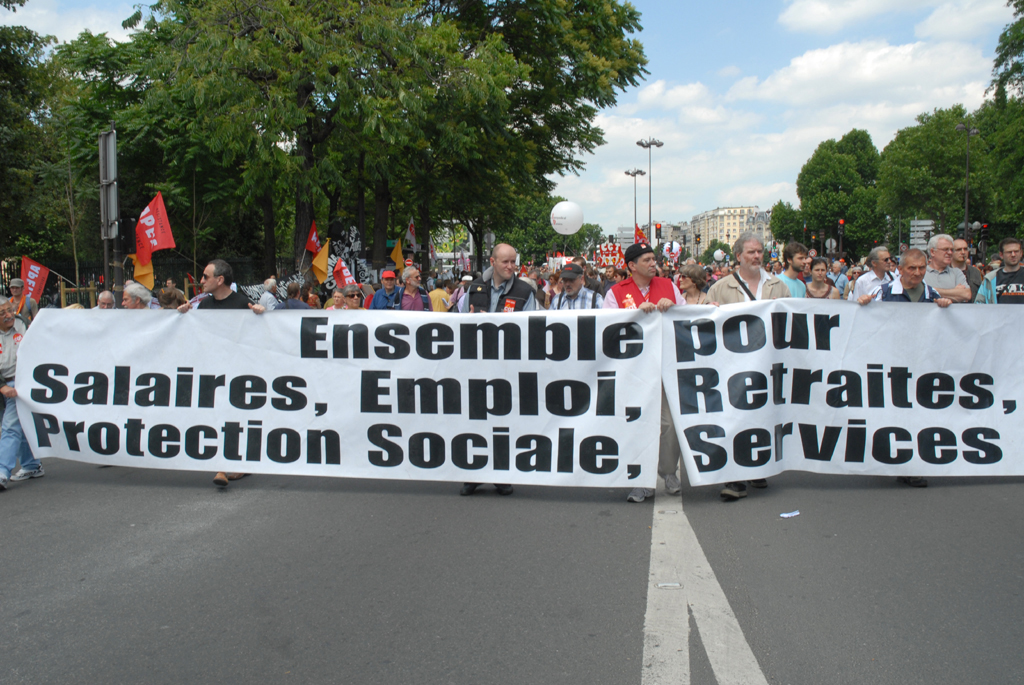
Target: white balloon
{"points": [[566, 218], [719, 255]]}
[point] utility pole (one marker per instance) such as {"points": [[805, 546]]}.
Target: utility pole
{"points": [[110, 212]]}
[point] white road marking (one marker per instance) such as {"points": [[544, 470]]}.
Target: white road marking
{"points": [[677, 557]]}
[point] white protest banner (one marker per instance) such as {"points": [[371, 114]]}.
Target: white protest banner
{"points": [[531, 398], [834, 387]]}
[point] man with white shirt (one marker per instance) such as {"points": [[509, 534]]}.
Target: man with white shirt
{"points": [[951, 283], [648, 292], [870, 282]]}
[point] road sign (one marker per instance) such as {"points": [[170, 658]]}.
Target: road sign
{"points": [[830, 244], [408, 262], [812, 253], [903, 248]]}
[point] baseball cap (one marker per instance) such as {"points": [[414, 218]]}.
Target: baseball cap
{"points": [[467, 279], [388, 274], [17, 283], [571, 271]]}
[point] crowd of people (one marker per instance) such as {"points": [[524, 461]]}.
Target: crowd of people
{"points": [[941, 274]]}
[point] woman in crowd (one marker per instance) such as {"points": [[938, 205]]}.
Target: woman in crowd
{"points": [[310, 297], [691, 283], [852, 274], [820, 285], [170, 298], [353, 297], [337, 301]]}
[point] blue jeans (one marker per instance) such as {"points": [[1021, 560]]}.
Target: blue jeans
{"points": [[14, 447]]}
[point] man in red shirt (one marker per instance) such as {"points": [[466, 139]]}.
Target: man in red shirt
{"points": [[646, 291]]}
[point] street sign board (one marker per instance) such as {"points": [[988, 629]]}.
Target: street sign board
{"points": [[903, 248], [812, 253], [830, 244]]}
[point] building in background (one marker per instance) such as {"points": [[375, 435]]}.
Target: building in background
{"points": [[726, 223]]}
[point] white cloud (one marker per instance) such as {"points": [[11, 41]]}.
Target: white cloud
{"points": [[965, 19], [931, 74], [66, 20], [828, 16], [729, 71]]}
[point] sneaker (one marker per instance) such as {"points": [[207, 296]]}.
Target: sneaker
{"points": [[759, 483], [3, 482], [639, 494], [468, 489], [221, 479], [913, 481], [22, 474], [503, 489], [672, 484], [734, 491]]}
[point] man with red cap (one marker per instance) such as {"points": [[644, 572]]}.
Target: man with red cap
{"points": [[646, 291], [388, 297]]}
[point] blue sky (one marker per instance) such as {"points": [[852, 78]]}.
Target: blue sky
{"points": [[740, 92]]}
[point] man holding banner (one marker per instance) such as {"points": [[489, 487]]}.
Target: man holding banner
{"points": [[14, 447], [645, 288], [748, 283]]}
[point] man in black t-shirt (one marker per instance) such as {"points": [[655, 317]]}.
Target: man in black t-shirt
{"points": [[1004, 285], [217, 279]]}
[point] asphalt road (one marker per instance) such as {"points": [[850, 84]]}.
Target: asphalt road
{"points": [[117, 575]]}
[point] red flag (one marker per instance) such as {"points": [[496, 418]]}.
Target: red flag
{"points": [[342, 276], [34, 274], [638, 235], [313, 241], [153, 232]]}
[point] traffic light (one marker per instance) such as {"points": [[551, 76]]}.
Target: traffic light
{"points": [[698, 238], [657, 231], [842, 225]]}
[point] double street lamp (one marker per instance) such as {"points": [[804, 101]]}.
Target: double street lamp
{"points": [[648, 144], [967, 178], [634, 173]]}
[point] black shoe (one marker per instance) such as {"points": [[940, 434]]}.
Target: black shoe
{"points": [[503, 489], [759, 483], [468, 489], [733, 491], [913, 481]]}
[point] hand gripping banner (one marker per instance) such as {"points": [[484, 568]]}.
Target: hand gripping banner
{"points": [[834, 387], [529, 398]]}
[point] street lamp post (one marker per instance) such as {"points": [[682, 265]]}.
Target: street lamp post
{"points": [[634, 173], [648, 144], [967, 178]]}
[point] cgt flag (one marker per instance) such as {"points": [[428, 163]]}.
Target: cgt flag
{"points": [[342, 276], [313, 241], [153, 232], [34, 274], [638, 235]]}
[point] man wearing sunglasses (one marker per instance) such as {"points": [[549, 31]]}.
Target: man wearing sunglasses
{"points": [[870, 282]]}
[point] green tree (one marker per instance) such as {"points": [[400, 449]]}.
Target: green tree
{"points": [[922, 169], [787, 224], [23, 85], [1008, 67]]}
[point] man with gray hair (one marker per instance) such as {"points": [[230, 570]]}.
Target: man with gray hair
{"points": [[949, 282], [105, 300], [749, 282], [870, 282], [14, 447], [414, 297], [269, 297], [136, 296]]}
